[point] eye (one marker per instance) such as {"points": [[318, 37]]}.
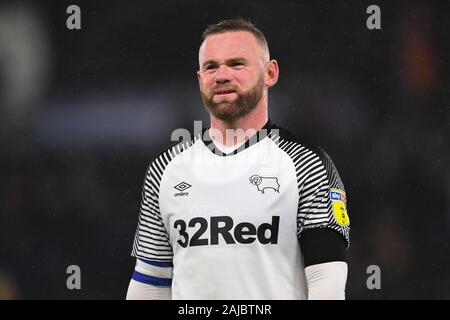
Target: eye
{"points": [[237, 64], [211, 67]]}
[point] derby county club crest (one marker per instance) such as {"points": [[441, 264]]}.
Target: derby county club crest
{"points": [[263, 183]]}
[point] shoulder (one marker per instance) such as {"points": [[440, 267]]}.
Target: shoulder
{"points": [[295, 146], [160, 162], [307, 157]]}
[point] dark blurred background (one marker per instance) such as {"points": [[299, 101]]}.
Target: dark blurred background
{"points": [[83, 112]]}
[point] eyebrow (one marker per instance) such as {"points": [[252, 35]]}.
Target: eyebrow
{"points": [[228, 61]]}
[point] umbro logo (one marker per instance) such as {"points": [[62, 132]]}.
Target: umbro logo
{"points": [[262, 183], [181, 187]]}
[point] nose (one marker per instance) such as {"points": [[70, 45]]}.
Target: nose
{"points": [[222, 74]]}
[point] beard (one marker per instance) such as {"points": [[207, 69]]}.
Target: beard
{"points": [[229, 110]]}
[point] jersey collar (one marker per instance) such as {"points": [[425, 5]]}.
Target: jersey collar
{"points": [[258, 136]]}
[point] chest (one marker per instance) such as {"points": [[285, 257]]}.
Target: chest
{"points": [[229, 200]]}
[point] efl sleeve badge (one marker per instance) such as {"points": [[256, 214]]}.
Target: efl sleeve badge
{"points": [[339, 202]]}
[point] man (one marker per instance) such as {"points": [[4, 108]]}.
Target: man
{"points": [[259, 215]]}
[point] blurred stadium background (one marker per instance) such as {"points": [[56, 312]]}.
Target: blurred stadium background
{"points": [[83, 112]]}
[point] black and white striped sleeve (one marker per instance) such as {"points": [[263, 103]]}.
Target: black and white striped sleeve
{"points": [[152, 240], [152, 247], [322, 198]]}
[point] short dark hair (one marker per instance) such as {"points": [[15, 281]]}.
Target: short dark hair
{"points": [[238, 24]]}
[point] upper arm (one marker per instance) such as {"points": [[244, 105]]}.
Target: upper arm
{"points": [[323, 223], [152, 246]]}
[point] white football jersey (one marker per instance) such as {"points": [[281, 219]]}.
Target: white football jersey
{"points": [[227, 226]]}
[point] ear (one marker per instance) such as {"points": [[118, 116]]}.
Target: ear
{"points": [[271, 73], [199, 77]]}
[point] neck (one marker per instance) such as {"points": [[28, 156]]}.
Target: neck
{"points": [[247, 124]]}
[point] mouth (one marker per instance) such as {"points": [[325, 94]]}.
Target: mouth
{"points": [[224, 91]]}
